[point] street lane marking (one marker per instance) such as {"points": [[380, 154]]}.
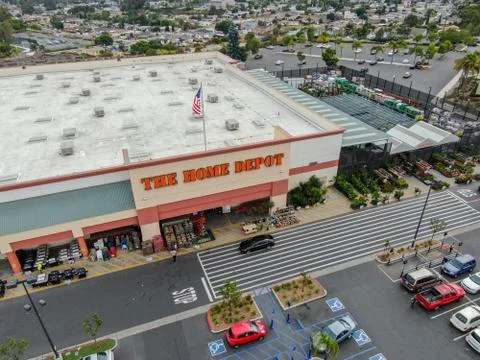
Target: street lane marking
{"points": [[468, 303], [184, 296], [388, 276], [206, 289]]}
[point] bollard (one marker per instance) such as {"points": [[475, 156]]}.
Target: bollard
{"points": [[309, 354], [289, 304], [273, 310], [271, 324], [288, 318]]}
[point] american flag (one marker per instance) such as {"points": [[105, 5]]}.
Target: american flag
{"points": [[197, 103]]}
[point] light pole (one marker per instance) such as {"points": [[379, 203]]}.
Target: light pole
{"points": [[28, 308], [421, 217]]}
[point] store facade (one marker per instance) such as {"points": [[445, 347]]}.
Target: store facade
{"points": [[142, 195]]}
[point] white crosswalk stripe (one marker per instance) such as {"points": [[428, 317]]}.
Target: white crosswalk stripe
{"points": [[333, 241]]}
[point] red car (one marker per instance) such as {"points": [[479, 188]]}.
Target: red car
{"points": [[244, 332], [440, 295]]}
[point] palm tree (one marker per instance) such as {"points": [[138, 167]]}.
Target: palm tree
{"points": [[341, 47], [417, 51], [466, 64], [323, 344], [355, 46], [417, 38], [394, 45], [377, 49]]}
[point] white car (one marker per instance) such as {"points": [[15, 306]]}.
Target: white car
{"points": [[473, 339], [319, 46], [279, 62], [467, 318], [471, 284], [270, 47], [390, 53], [406, 61], [358, 51], [102, 355]]}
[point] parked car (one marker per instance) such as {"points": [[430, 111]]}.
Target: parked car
{"points": [[2, 288], [421, 279], [245, 332], [361, 62], [390, 53], [471, 284], [473, 339], [54, 277], [308, 45], [341, 329], [406, 51], [303, 62], [357, 51], [459, 265], [279, 62], [407, 75], [270, 47], [380, 58], [364, 69], [466, 319], [265, 241], [406, 61], [258, 56], [67, 274], [102, 355], [373, 52], [440, 295], [373, 62]]}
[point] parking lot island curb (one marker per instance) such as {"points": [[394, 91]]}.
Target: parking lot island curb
{"points": [[211, 325], [285, 308], [406, 255]]}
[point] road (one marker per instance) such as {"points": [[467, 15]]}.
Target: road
{"points": [[440, 73], [323, 244]]}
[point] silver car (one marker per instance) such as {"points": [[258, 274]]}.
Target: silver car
{"points": [[341, 329]]}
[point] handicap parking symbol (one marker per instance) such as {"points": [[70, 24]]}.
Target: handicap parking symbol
{"points": [[361, 337], [377, 357], [217, 347], [335, 304]]}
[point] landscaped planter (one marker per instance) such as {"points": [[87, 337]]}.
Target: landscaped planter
{"points": [[90, 348], [219, 318], [396, 256], [294, 293]]}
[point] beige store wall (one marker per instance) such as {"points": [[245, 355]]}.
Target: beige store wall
{"points": [[326, 175], [182, 190], [74, 226]]}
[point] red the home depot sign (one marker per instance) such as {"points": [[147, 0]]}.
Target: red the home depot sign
{"points": [[213, 171]]}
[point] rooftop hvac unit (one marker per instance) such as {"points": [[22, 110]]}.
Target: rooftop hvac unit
{"points": [[193, 81], [22, 107], [39, 77], [238, 106], [99, 111], [129, 125], [231, 124], [164, 92], [229, 98], [69, 133], [125, 109], [218, 70], [30, 92], [97, 79], [136, 77], [85, 92], [208, 61], [175, 103], [193, 69], [73, 100], [96, 72], [258, 123], [43, 119], [65, 85], [66, 148], [9, 178], [111, 98], [153, 73], [38, 138], [213, 98]]}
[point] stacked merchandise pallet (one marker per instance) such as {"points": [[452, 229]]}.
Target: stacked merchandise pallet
{"points": [[71, 253], [284, 217], [41, 257], [179, 233]]}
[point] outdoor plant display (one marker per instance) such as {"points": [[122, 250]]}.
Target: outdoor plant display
{"points": [[308, 193], [390, 254], [323, 345], [298, 291], [375, 198], [232, 309], [398, 194], [359, 185], [463, 179], [342, 184], [359, 202], [401, 183], [440, 185]]}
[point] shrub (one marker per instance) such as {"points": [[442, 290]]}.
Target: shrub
{"points": [[476, 176], [317, 291], [402, 183], [359, 185], [342, 184], [398, 194], [253, 313], [276, 288], [464, 178]]}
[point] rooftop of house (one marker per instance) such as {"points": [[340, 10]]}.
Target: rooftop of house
{"points": [[67, 118]]}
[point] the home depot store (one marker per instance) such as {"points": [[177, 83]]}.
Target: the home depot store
{"points": [[132, 192]]}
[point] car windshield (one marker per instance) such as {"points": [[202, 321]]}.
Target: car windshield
{"points": [[230, 332], [409, 279], [102, 356], [475, 279], [476, 336], [329, 332], [461, 318], [456, 263], [254, 326]]}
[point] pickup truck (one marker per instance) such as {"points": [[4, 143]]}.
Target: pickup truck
{"points": [[440, 295]]}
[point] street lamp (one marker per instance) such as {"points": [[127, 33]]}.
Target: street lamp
{"points": [[29, 307], [421, 217]]}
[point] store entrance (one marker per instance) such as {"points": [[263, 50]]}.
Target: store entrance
{"points": [[186, 231], [104, 245]]}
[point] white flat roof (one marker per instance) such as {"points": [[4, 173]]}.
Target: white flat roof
{"points": [[149, 116]]}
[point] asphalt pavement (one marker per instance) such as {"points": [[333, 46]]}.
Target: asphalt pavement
{"points": [[323, 244], [440, 73]]}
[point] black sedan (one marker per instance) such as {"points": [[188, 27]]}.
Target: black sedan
{"points": [[255, 243], [54, 277]]}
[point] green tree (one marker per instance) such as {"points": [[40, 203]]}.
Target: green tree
{"points": [[330, 57], [301, 37], [311, 34], [231, 295], [6, 32], [300, 56], [56, 22], [4, 14], [356, 45], [417, 38], [50, 5], [13, 349], [5, 50], [429, 14], [445, 47], [224, 26], [430, 51], [92, 326], [132, 5], [377, 49], [324, 345], [349, 29], [27, 6], [307, 193], [253, 44], [104, 39], [466, 64], [233, 49], [437, 225], [417, 51], [412, 20]]}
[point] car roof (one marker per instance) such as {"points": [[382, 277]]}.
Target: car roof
{"points": [[241, 327], [420, 273], [446, 288], [464, 258], [470, 311]]}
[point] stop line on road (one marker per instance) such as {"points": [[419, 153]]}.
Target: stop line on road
{"points": [[322, 244]]}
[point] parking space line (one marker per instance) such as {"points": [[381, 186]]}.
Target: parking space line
{"points": [[388, 276], [461, 336], [206, 289], [470, 301]]}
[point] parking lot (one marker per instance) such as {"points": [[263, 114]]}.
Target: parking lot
{"points": [[436, 77]]}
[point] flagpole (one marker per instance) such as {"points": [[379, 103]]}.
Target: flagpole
{"points": [[203, 117]]}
